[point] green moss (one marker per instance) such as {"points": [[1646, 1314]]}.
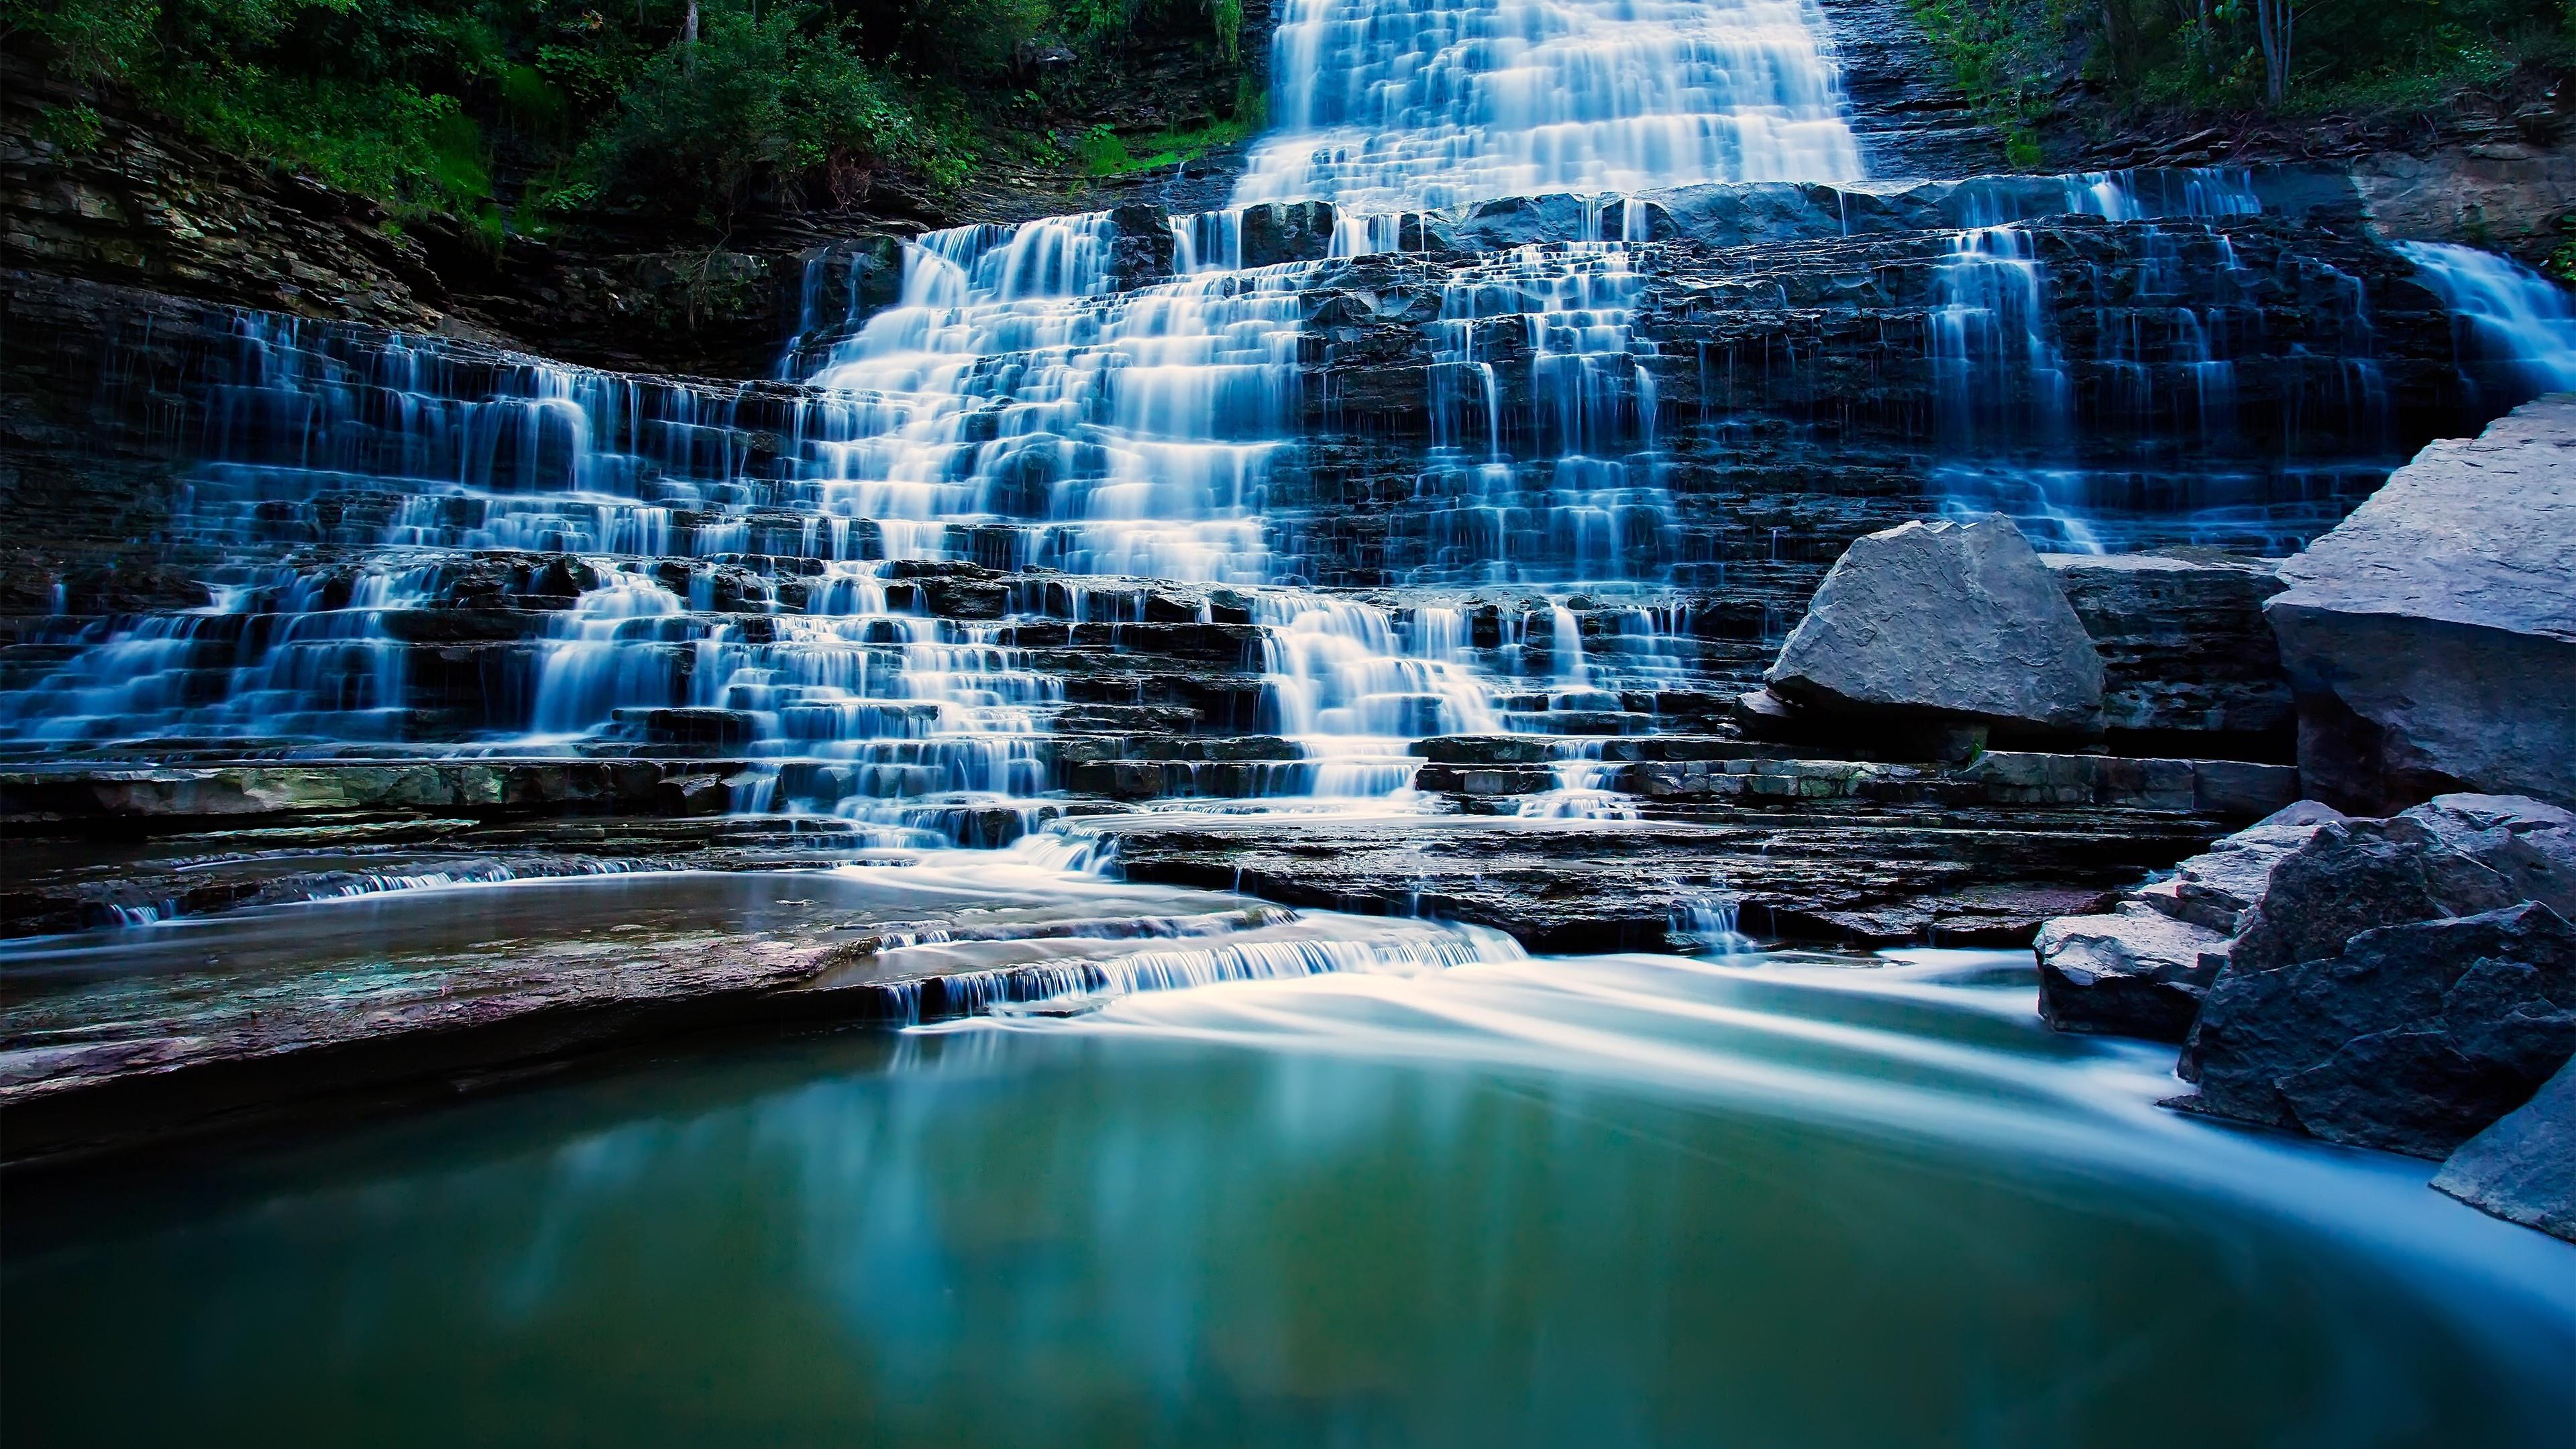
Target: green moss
{"points": [[1105, 153]]}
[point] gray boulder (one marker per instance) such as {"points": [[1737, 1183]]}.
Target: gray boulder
{"points": [[2455, 855], [2132, 972], [2523, 1169], [1958, 620], [2431, 636], [1294, 231], [2142, 969], [2411, 1038]]}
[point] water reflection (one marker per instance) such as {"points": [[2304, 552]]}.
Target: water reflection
{"points": [[1622, 1201]]}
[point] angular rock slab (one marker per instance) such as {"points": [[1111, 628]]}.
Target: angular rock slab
{"points": [[2523, 1169], [1956, 619], [2431, 636], [2133, 972], [2143, 968], [2413, 1039]]}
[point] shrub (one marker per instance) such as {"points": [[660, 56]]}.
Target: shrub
{"points": [[759, 100]]}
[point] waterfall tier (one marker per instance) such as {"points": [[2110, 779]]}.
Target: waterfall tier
{"points": [[1090, 510]]}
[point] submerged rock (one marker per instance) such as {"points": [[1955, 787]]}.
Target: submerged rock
{"points": [[2523, 1169], [2412, 1038], [2431, 636], [1955, 619]]}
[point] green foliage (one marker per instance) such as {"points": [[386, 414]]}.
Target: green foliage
{"points": [[1104, 152], [766, 99], [76, 129], [533, 111], [91, 39], [2385, 57]]}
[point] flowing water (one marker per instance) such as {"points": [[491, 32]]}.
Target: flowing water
{"points": [[1621, 1200], [1362, 1181], [416, 548]]}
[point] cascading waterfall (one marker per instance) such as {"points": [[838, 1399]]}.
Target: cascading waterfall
{"points": [[418, 546], [2506, 317], [1394, 105]]}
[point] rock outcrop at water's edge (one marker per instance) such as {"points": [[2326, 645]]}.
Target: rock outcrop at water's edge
{"points": [[2523, 1169], [2398, 983], [2143, 968], [2431, 636], [2412, 1038]]}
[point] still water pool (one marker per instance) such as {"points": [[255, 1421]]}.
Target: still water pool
{"points": [[1600, 1201]]}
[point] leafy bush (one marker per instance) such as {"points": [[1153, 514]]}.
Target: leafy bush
{"points": [[2396, 58], [538, 109], [758, 100]]}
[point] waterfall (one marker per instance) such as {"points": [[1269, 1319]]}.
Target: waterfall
{"points": [[2504, 314], [1396, 105], [903, 580]]}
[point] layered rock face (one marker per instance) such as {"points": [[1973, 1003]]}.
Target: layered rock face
{"points": [[2432, 635], [1121, 508]]}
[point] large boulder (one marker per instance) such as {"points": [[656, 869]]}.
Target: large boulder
{"points": [[2455, 855], [2189, 666], [2523, 1169], [1956, 620], [2431, 636], [2142, 968], [2411, 1038]]}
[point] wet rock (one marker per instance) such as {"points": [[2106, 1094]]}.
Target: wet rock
{"points": [[2189, 665], [2219, 889], [2133, 972], [2523, 1169], [1297, 231], [2356, 876], [1577, 885], [1140, 253], [2411, 1038], [2530, 843], [2143, 968], [2431, 636], [1908, 111], [1959, 620], [702, 728]]}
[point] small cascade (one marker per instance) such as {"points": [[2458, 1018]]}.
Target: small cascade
{"points": [[1998, 373], [2018, 427], [1566, 486], [1337, 678], [2515, 329], [1395, 105], [1706, 924]]}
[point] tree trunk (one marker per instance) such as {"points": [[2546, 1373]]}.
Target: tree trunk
{"points": [[2272, 19]]}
